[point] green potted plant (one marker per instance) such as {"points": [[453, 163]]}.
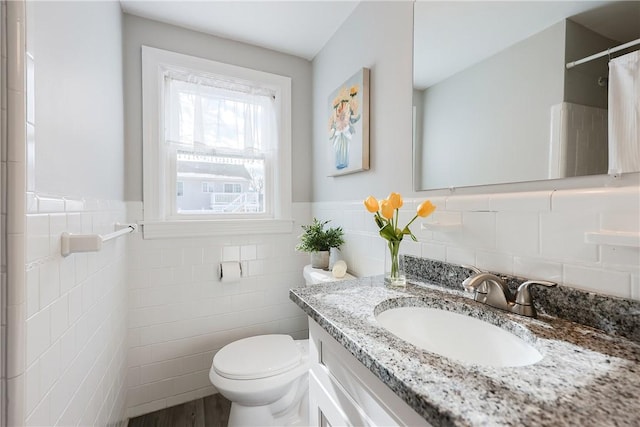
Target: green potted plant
{"points": [[318, 241]]}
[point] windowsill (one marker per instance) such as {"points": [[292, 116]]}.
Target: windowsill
{"points": [[212, 228]]}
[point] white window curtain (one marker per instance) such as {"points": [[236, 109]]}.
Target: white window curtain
{"points": [[206, 114]]}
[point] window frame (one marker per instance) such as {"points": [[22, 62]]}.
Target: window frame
{"points": [[158, 186]]}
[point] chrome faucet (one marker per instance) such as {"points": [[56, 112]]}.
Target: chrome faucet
{"points": [[493, 290]]}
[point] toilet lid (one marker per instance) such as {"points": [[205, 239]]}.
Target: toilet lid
{"points": [[257, 357]]}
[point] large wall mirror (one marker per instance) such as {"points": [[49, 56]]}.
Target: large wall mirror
{"points": [[493, 100]]}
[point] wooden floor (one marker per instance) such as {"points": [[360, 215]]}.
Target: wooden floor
{"points": [[210, 411]]}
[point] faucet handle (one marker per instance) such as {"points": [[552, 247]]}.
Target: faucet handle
{"points": [[473, 268], [523, 296], [524, 305]]}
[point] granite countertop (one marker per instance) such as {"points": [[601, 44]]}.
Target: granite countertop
{"points": [[586, 377]]}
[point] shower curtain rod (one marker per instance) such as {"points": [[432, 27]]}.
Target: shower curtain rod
{"points": [[603, 53]]}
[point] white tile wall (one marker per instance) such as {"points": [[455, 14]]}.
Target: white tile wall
{"points": [[75, 316], [180, 314], [535, 235]]}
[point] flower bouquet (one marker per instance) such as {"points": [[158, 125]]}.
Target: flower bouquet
{"points": [[385, 213]]}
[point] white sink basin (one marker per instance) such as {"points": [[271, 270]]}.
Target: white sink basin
{"points": [[458, 337]]}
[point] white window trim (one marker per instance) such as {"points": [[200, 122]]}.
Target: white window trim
{"points": [[157, 222]]}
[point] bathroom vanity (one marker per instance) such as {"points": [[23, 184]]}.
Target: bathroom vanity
{"points": [[362, 374]]}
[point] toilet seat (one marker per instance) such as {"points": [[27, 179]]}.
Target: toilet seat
{"points": [[257, 357]]}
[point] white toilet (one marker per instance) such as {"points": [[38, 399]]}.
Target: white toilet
{"points": [[266, 377]]}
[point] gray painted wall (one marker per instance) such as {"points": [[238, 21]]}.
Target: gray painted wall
{"points": [[78, 107], [139, 31], [378, 36]]}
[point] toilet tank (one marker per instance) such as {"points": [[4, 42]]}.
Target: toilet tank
{"points": [[313, 276]]}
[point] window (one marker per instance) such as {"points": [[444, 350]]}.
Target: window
{"points": [[217, 146], [208, 187], [232, 188]]}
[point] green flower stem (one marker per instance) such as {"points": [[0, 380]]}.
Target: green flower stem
{"points": [[394, 248]]}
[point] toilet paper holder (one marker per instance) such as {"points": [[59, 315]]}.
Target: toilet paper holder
{"points": [[230, 271]]}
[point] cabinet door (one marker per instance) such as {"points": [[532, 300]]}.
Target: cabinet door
{"points": [[342, 392]]}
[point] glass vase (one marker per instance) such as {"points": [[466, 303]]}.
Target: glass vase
{"points": [[394, 267], [341, 147]]}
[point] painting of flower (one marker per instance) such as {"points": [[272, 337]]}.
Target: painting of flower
{"points": [[349, 125]]}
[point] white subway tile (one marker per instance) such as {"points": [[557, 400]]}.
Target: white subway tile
{"points": [[491, 261], [562, 236], [620, 258], [145, 408], [75, 304], [434, 251], [49, 283], [517, 233], [57, 226], [635, 286], [40, 415], [37, 237], [16, 248], [188, 382], [197, 362], [248, 252], [409, 247], [158, 371], [597, 280], [205, 273], [160, 276], [59, 317], [38, 335], [171, 257], [73, 205], [33, 291], [50, 204], [231, 253], [150, 392], [461, 256], [34, 393], [133, 377], [49, 367], [68, 348], [479, 231], [138, 356], [620, 221], [533, 268], [533, 201], [479, 203], [597, 200], [31, 203], [82, 267], [191, 395], [67, 273]]}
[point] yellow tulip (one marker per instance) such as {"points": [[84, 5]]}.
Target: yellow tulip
{"points": [[371, 204], [426, 208], [396, 200], [386, 209]]}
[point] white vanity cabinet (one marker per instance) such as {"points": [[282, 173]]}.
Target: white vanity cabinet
{"points": [[343, 392]]}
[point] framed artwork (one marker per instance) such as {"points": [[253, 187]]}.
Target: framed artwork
{"points": [[349, 126]]}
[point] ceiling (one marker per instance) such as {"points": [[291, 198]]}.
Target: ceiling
{"points": [[449, 35], [299, 28]]}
